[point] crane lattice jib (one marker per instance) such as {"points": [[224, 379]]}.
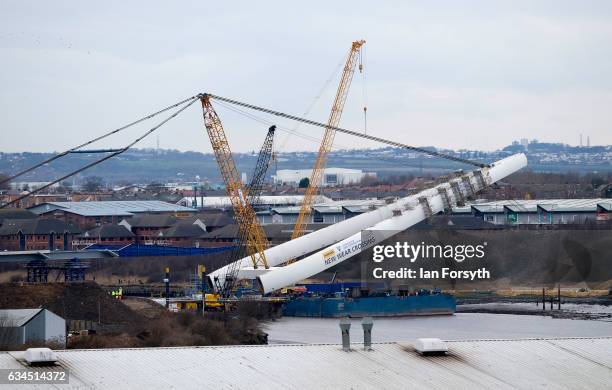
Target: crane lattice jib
{"points": [[261, 167], [328, 140], [254, 190], [256, 241]]}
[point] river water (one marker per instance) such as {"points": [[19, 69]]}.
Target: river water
{"points": [[460, 326]]}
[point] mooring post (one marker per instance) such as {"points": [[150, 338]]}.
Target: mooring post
{"points": [[167, 283]]}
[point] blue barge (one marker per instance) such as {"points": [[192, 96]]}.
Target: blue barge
{"points": [[370, 306]]}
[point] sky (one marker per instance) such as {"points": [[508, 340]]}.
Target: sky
{"points": [[451, 74]]}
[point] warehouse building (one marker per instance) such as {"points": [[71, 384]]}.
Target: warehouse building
{"points": [[541, 211], [264, 201], [331, 176], [504, 212], [329, 212], [577, 363], [86, 215], [22, 326]]}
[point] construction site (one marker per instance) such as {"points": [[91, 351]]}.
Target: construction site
{"points": [[253, 269], [452, 282]]}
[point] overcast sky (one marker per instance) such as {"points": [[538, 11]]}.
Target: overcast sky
{"points": [[471, 74]]}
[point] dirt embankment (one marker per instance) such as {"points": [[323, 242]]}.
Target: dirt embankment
{"points": [[71, 301], [137, 323]]}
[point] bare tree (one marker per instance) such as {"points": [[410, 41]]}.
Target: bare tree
{"points": [[8, 333], [93, 184], [4, 186]]}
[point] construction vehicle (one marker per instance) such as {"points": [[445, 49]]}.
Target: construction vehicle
{"points": [[328, 140], [212, 302]]}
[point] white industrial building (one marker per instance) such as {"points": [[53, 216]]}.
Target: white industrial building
{"points": [[331, 176], [541, 211], [322, 213], [574, 363], [502, 212], [21, 326], [224, 202]]}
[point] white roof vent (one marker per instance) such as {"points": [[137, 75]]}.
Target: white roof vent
{"points": [[40, 356], [430, 346]]}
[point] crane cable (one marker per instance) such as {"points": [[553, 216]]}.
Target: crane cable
{"points": [[315, 100], [115, 153], [364, 92], [350, 132], [296, 133], [76, 148]]}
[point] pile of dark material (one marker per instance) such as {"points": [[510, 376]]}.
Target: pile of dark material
{"points": [[143, 324], [71, 301]]}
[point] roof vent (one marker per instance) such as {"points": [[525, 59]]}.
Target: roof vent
{"points": [[430, 346], [40, 356], [345, 328]]}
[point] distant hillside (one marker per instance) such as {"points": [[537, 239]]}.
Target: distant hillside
{"points": [[148, 165]]}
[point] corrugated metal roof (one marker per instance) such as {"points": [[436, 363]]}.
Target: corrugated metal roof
{"points": [[105, 208], [17, 317], [37, 226], [531, 205], [336, 207], [108, 231], [267, 200], [485, 364]]}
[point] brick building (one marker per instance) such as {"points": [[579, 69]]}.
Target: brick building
{"points": [[276, 234], [165, 229], [11, 213], [36, 234], [184, 233], [148, 228], [105, 235], [87, 215]]}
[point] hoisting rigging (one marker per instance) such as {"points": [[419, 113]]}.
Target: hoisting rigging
{"points": [[328, 139], [254, 190], [256, 241]]}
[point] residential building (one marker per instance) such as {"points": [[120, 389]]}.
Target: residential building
{"points": [[105, 235], [184, 234], [147, 228], [37, 234], [157, 229], [11, 213]]}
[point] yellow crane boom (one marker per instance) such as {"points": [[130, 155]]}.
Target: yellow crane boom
{"points": [[256, 241], [328, 140]]}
